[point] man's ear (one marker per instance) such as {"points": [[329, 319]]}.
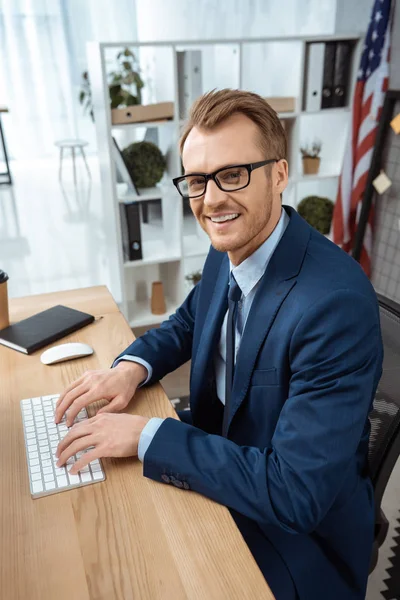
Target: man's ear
{"points": [[280, 175]]}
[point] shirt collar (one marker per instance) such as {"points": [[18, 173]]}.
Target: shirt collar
{"points": [[250, 271]]}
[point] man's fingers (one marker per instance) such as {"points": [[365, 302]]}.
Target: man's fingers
{"points": [[68, 400], [78, 445], [79, 403], [77, 431], [68, 389], [116, 405], [84, 460]]}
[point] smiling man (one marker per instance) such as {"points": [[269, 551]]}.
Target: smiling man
{"points": [[283, 333]]}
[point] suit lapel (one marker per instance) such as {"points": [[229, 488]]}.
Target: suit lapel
{"points": [[276, 283], [203, 368]]}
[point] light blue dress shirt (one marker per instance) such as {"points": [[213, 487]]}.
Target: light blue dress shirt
{"points": [[247, 275]]}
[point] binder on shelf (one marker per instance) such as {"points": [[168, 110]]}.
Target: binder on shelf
{"points": [[189, 79], [130, 231], [314, 76], [341, 73], [328, 73]]}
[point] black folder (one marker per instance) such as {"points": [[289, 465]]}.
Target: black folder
{"points": [[327, 79], [341, 74], [43, 328], [130, 231]]}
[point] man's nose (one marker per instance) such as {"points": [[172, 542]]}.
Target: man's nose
{"points": [[214, 196]]}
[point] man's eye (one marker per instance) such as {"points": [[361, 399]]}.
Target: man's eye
{"points": [[195, 182]]}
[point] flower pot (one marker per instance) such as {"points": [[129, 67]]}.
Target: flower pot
{"points": [[311, 165], [158, 306]]}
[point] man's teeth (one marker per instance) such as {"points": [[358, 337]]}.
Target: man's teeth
{"points": [[223, 218]]}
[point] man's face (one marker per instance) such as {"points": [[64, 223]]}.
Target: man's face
{"points": [[256, 208]]}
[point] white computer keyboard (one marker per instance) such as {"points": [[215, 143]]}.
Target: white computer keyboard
{"points": [[42, 437]]}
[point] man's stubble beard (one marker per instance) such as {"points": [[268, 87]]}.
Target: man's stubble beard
{"points": [[246, 237]]}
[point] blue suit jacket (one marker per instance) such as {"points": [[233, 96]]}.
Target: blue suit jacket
{"points": [[293, 470]]}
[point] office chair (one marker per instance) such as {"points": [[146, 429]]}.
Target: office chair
{"points": [[384, 445]]}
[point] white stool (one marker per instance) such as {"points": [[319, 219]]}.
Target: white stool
{"points": [[73, 144]]}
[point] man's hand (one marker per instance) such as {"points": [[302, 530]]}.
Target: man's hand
{"points": [[109, 435], [117, 385]]}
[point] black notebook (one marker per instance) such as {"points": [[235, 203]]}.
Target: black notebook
{"points": [[43, 328]]}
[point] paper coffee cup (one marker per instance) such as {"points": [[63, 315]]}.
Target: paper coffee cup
{"points": [[4, 316]]}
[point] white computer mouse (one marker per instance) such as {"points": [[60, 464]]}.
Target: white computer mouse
{"points": [[63, 352]]}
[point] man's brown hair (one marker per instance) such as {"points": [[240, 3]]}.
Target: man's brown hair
{"points": [[216, 106]]}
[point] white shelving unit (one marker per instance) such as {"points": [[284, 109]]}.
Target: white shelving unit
{"points": [[173, 244]]}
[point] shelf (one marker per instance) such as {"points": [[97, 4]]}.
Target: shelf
{"points": [[155, 252], [327, 111], [158, 123], [144, 316], [288, 115], [193, 245], [302, 178], [151, 193]]}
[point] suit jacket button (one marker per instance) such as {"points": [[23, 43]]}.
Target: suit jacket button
{"points": [[186, 485], [165, 478], [177, 483]]}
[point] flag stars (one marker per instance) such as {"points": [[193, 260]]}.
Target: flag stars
{"points": [[374, 35], [368, 72], [371, 54], [378, 16]]}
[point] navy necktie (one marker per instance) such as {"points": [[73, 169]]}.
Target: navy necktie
{"points": [[233, 299]]}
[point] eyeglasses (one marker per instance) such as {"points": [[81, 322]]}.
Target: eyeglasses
{"points": [[228, 179]]}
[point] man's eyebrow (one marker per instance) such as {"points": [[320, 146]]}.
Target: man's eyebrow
{"points": [[222, 166]]}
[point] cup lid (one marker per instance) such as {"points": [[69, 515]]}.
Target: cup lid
{"points": [[3, 276]]}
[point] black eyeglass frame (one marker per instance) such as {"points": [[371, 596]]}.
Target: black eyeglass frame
{"points": [[207, 176]]}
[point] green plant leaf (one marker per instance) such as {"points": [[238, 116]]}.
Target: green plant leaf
{"points": [[81, 96], [131, 100], [127, 52]]}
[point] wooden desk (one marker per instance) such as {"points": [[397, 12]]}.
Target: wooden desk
{"points": [[126, 538]]}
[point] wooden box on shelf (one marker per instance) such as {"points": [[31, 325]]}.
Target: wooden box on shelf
{"points": [[142, 113], [282, 103]]}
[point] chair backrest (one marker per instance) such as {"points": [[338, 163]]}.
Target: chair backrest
{"points": [[384, 445]]}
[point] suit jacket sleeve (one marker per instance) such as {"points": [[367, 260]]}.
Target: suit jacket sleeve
{"points": [[169, 346], [335, 359]]}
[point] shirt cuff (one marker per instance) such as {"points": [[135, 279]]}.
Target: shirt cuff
{"points": [[138, 360], [147, 435]]}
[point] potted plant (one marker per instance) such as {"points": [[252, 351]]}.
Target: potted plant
{"points": [[145, 163], [194, 277], [317, 211], [311, 157]]}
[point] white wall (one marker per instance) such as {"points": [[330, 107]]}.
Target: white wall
{"points": [[208, 19]]}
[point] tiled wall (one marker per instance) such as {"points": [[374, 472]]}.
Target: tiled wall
{"points": [[386, 249]]}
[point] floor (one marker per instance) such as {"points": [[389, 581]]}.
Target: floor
{"points": [[54, 237]]}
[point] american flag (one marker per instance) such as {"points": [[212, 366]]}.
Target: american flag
{"points": [[372, 83]]}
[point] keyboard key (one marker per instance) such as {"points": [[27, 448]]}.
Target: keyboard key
{"points": [[48, 471], [50, 485], [37, 487], [31, 436], [35, 468], [36, 477], [62, 481], [33, 461], [73, 479], [85, 477], [95, 467], [48, 478], [45, 456], [59, 471], [84, 469], [29, 422], [97, 475], [30, 429], [46, 463], [33, 454], [36, 401]]}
